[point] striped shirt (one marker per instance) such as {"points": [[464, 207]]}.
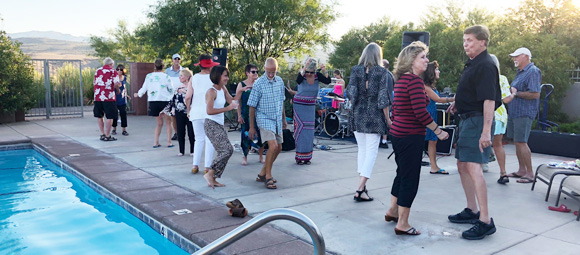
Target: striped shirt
{"points": [[529, 79], [410, 114]]}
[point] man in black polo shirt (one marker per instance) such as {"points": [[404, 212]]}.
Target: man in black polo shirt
{"points": [[478, 95]]}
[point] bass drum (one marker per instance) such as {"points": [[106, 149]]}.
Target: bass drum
{"points": [[334, 124]]}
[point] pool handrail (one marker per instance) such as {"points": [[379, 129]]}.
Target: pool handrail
{"points": [[260, 220]]}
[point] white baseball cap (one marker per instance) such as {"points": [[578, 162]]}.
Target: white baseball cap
{"points": [[521, 51], [175, 56]]}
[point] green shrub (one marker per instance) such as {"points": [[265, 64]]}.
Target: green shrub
{"points": [[16, 77]]}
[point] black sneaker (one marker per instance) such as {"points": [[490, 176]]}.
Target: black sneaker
{"points": [[479, 230], [174, 137], [465, 216]]}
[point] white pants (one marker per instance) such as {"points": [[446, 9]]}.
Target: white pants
{"points": [[368, 147], [201, 140]]}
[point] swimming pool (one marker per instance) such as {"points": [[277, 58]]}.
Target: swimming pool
{"points": [[47, 210]]}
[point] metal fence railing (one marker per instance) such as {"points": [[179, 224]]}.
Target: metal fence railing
{"points": [[59, 88], [575, 74]]}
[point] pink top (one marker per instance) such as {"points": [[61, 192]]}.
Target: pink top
{"points": [[338, 90]]}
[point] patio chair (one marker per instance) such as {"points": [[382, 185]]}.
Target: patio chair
{"points": [[569, 186], [547, 174]]}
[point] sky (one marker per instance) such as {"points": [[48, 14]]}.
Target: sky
{"points": [[85, 18]]}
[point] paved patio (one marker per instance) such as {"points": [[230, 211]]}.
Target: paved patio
{"points": [[323, 191]]}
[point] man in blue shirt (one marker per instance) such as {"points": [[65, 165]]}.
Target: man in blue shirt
{"points": [[522, 110], [266, 103], [173, 72]]}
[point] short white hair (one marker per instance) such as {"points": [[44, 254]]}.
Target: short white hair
{"points": [[372, 55], [271, 60], [108, 61]]}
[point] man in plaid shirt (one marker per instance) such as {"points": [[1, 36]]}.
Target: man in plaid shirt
{"points": [[266, 103]]}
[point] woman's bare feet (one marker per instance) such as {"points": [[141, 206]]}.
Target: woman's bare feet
{"points": [[262, 159], [210, 179], [244, 161]]}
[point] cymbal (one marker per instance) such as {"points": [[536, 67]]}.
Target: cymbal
{"points": [[335, 98]]}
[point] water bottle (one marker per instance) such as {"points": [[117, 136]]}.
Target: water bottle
{"points": [[254, 140]]}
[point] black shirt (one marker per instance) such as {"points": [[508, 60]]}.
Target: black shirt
{"points": [[479, 81]]}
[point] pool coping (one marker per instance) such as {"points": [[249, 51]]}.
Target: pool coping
{"points": [[153, 200]]}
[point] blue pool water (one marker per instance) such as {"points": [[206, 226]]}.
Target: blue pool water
{"points": [[46, 210]]}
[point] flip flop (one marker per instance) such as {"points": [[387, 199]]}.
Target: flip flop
{"points": [[171, 145], [525, 180], [514, 175], [441, 171], [561, 208], [411, 232], [157, 146]]}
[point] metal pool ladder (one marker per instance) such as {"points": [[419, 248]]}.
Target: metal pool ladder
{"points": [[259, 221]]}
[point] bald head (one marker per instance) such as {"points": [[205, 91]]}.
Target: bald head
{"points": [[271, 66]]}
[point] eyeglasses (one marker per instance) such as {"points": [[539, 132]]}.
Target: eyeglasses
{"points": [[253, 71], [306, 72]]}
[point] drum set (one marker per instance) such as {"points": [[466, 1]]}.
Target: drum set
{"points": [[330, 120]]}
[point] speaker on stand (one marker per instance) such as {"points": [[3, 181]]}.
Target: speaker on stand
{"points": [[220, 55]]}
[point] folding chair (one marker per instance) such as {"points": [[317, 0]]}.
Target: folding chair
{"points": [[547, 174]]}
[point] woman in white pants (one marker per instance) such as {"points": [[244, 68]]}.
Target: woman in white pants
{"points": [[196, 108], [369, 96]]}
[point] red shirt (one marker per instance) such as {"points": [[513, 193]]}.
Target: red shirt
{"points": [[410, 114], [104, 84]]}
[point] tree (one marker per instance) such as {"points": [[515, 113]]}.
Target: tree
{"points": [[16, 77], [125, 46], [351, 44], [251, 30]]}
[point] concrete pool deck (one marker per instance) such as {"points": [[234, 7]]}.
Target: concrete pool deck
{"points": [[323, 191]]}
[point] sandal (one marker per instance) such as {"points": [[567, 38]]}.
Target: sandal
{"points": [[503, 179], [270, 184], [361, 199], [389, 218], [299, 162], [125, 133], [110, 138], [262, 178], [411, 232], [235, 204], [103, 137], [238, 212], [195, 170], [114, 132]]}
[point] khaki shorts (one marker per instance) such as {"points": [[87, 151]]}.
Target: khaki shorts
{"points": [[268, 135]]}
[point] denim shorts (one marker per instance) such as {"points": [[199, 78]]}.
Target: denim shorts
{"points": [[519, 129], [469, 133]]}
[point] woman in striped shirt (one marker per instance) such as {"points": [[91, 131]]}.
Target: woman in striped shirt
{"points": [[410, 117]]}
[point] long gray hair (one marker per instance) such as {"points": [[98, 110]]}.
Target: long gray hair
{"points": [[372, 55]]}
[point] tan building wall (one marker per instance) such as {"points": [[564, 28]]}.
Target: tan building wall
{"points": [[571, 102]]}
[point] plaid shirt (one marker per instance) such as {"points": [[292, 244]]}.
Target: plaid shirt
{"points": [[528, 79], [268, 99]]}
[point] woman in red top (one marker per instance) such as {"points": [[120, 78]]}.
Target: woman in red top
{"points": [[410, 117]]}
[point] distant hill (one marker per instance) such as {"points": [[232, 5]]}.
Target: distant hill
{"points": [[49, 35], [44, 48]]}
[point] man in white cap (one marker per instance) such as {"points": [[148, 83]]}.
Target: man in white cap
{"points": [[173, 72], [525, 89]]}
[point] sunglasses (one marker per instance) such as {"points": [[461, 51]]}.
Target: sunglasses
{"points": [[177, 59], [120, 69], [306, 72], [253, 71]]}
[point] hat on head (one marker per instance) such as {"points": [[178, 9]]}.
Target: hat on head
{"points": [[521, 51], [175, 56], [206, 63]]}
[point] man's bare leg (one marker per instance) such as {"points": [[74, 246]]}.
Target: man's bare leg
{"points": [[468, 185]]}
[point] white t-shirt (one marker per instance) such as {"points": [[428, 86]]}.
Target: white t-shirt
{"points": [[200, 83], [220, 102], [158, 87]]}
